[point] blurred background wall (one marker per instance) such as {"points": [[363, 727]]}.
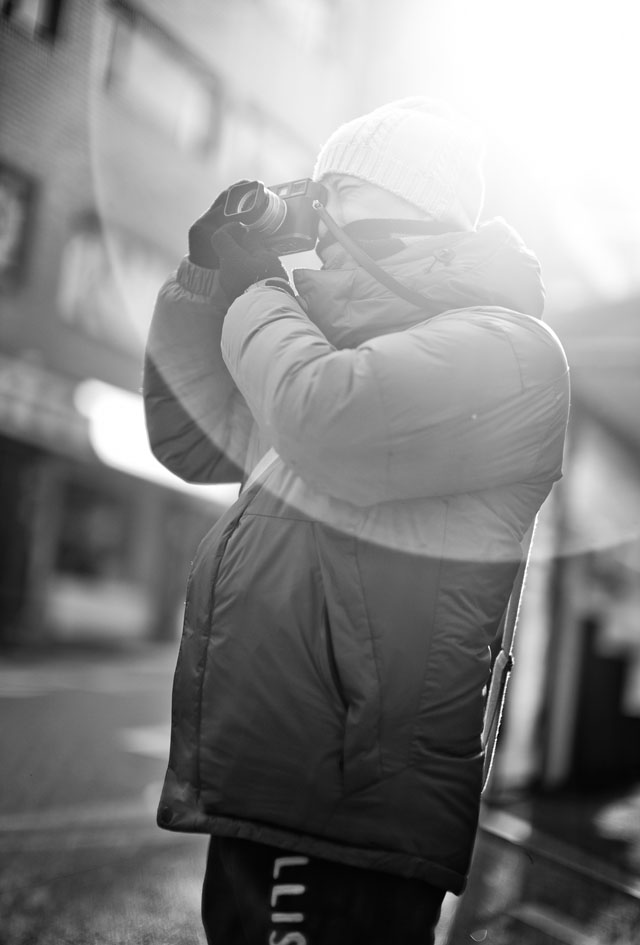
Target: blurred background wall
{"points": [[121, 121]]}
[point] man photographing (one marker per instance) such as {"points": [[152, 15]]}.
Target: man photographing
{"points": [[411, 406]]}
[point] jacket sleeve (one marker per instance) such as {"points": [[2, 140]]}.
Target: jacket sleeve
{"points": [[468, 400], [198, 423]]}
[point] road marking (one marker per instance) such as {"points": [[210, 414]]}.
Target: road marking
{"points": [[149, 671], [81, 816], [22, 692], [15, 684], [123, 823]]}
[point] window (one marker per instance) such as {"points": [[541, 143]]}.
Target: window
{"points": [[16, 205], [95, 532], [312, 25], [92, 590], [36, 17], [108, 284], [157, 77], [255, 144]]}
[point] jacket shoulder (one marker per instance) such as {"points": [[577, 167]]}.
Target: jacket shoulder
{"points": [[532, 344]]}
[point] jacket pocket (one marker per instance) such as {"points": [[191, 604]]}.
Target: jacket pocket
{"points": [[351, 658], [332, 665]]}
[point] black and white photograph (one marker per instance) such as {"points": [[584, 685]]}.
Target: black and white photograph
{"points": [[319, 472]]}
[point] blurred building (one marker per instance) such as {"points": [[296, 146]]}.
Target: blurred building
{"points": [[573, 716], [119, 122]]}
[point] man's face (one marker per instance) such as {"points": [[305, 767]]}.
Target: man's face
{"points": [[350, 199]]}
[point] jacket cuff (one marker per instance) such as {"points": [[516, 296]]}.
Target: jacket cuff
{"points": [[198, 280]]}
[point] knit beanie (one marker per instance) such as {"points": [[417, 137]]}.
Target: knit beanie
{"points": [[417, 149]]}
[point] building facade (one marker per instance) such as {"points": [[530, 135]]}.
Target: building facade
{"points": [[120, 122]]}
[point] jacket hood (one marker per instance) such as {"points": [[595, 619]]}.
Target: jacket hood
{"points": [[488, 266]]}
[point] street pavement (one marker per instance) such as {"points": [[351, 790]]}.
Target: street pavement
{"points": [[84, 741]]}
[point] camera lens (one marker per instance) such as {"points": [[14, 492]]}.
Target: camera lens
{"points": [[272, 216], [247, 202], [256, 207]]}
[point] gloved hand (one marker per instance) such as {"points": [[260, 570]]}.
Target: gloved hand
{"points": [[244, 259], [201, 251]]}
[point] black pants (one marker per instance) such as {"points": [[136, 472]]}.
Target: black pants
{"points": [[259, 895]]}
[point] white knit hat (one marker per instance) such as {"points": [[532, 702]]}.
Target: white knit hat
{"points": [[417, 149]]}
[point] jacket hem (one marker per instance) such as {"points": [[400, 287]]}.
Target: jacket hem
{"points": [[384, 861]]}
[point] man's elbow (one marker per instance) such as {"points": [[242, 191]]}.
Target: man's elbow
{"points": [[198, 462]]}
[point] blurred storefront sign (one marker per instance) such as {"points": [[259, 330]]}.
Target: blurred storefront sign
{"points": [[89, 420], [36, 406]]}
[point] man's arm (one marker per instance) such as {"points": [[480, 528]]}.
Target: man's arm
{"points": [[466, 401], [198, 422]]}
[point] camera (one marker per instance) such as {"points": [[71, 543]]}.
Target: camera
{"points": [[282, 213]]}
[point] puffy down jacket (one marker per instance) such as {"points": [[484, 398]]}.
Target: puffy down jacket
{"points": [[328, 696]]}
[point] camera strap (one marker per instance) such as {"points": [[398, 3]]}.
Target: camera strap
{"points": [[360, 256]]}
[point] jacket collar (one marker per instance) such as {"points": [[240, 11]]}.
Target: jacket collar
{"points": [[380, 238], [488, 266]]}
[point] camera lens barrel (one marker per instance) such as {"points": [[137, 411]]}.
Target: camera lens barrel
{"points": [[273, 214], [256, 207]]}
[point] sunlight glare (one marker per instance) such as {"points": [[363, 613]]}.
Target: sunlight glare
{"points": [[119, 438]]}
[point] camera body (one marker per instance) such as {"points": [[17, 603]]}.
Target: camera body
{"points": [[283, 213]]}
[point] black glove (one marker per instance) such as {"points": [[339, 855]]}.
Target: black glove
{"points": [[201, 251], [244, 260]]}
